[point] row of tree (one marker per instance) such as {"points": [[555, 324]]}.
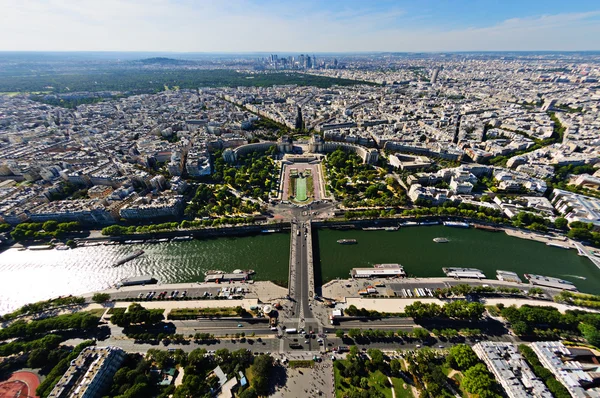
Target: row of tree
{"points": [[137, 315], [40, 306], [49, 229], [23, 329], [549, 322], [458, 309]]}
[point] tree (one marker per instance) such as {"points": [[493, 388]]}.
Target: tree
{"points": [[561, 223], [420, 333], [339, 333], [248, 393], [261, 369], [478, 381], [462, 357], [100, 298], [520, 328], [590, 333], [50, 226], [376, 356]]}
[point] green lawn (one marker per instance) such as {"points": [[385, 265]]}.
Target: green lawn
{"points": [[377, 381], [401, 392], [301, 189]]}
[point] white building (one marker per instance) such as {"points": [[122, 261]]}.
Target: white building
{"points": [[511, 370], [576, 207]]}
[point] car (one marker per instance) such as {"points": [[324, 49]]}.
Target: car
{"points": [[140, 295], [240, 325], [306, 342], [440, 346], [418, 345]]}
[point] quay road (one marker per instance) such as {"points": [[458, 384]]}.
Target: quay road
{"points": [[223, 326]]}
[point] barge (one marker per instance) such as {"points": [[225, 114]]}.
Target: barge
{"points": [[128, 258], [182, 238], [486, 228], [456, 224], [139, 280], [40, 247], [549, 281], [379, 271], [552, 244], [507, 276], [457, 272]]}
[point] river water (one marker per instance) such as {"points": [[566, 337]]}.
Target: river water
{"points": [[413, 247], [28, 276]]}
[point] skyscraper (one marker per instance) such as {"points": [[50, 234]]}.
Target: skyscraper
{"points": [[434, 75]]}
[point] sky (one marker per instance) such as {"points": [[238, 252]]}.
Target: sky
{"points": [[299, 26]]}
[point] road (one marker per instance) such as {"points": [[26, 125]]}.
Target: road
{"points": [[222, 327], [302, 291]]}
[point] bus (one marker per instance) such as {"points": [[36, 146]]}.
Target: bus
{"points": [[291, 331]]}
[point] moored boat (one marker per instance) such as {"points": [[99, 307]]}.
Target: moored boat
{"points": [[214, 272], [550, 281], [456, 224], [128, 258]]}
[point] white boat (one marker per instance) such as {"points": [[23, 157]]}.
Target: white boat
{"points": [[440, 240], [558, 245], [456, 224]]}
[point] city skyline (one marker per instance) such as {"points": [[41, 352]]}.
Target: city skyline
{"points": [[259, 26]]}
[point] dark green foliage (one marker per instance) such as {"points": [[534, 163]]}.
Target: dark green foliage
{"points": [[43, 305], [79, 321], [452, 209], [359, 184], [425, 366], [462, 357], [26, 231], [530, 221], [261, 370], [137, 315], [548, 322], [134, 379], [584, 232], [459, 309], [100, 297], [44, 344], [149, 81], [478, 380], [590, 333]]}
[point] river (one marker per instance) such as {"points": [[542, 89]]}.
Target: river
{"points": [[29, 276], [413, 247]]}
